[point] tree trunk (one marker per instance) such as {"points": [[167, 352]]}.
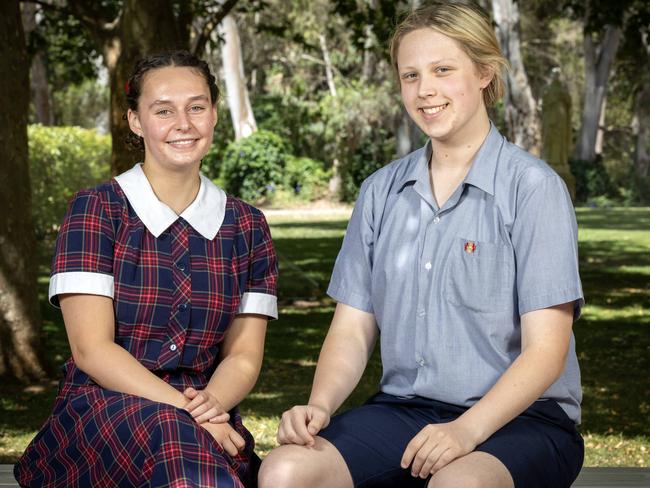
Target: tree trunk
{"points": [[329, 72], [40, 89], [241, 112], [142, 28], [598, 62], [522, 120], [20, 321], [642, 132]]}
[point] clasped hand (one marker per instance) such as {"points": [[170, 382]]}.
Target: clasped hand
{"points": [[435, 446], [210, 414]]}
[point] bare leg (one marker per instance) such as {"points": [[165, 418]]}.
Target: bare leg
{"points": [[475, 470], [291, 466]]}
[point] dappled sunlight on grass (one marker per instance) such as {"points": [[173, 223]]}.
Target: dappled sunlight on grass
{"points": [[612, 337]]}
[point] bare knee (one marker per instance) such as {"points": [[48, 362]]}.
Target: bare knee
{"points": [[284, 467], [448, 479]]}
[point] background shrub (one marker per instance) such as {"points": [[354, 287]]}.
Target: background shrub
{"points": [[254, 166], [63, 160], [307, 178]]}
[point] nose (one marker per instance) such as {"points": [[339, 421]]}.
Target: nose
{"points": [[427, 86], [183, 122]]}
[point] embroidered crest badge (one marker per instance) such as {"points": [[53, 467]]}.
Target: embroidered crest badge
{"points": [[470, 247]]}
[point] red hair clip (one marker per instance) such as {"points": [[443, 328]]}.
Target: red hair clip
{"points": [[127, 88]]}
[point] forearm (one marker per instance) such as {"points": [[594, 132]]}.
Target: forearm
{"points": [[343, 357], [234, 378], [114, 368]]}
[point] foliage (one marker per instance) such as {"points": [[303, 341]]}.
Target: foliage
{"points": [[84, 104], [307, 178], [63, 160], [355, 128], [592, 180], [254, 166]]}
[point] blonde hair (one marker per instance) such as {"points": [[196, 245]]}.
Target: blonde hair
{"points": [[470, 26]]}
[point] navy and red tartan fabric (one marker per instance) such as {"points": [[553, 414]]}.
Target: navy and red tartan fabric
{"points": [[175, 296]]}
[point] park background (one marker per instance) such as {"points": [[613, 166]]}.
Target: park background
{"points": [[310, 107]]}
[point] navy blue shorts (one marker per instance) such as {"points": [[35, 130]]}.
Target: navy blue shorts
{"points": [[541, 447]]}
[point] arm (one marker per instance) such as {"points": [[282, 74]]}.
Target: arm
{"points": [[90, 325], [343, 358], [241, 354], [546, 334]]}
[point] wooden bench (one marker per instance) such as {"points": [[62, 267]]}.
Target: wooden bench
{"points": [[589, 477]]}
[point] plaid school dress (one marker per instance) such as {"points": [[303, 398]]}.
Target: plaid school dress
{"points": [[177, 282]]}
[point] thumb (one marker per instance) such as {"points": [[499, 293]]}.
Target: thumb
{"points": [[316, 422], [190, 392]]}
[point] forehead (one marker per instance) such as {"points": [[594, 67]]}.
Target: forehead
{"points": [[174, 81], [429, 43]]}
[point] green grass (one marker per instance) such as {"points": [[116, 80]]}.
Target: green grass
{"points": [[612, 337]]}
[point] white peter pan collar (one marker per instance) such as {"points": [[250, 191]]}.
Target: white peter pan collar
{"points": [[205, 214]]}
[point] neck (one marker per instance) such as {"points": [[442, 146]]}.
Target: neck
{"points": [[176, 189], [458, 151]]}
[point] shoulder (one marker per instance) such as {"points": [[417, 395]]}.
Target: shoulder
{"points": [[106, 197], [246, 216], [521, 173], [391, 177]]}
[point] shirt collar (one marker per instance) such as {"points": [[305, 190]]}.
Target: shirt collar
{"points": [[205, 214]]}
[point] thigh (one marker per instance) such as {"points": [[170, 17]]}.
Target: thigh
{"points": [[475, 470], [540, 448], [292, 466], [372, 439]]}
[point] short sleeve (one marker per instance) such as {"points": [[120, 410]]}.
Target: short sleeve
{"points": [[260, 295], [545, 240], [351, 281], [83, 257]]}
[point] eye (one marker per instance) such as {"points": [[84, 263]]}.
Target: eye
{"points": [[197, 108], [163, 112], [443, 70], [409, 76]]}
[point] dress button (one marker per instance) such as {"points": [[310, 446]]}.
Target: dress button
{"points": [[436, 219], [172, 347], [427, 266], [181, 265], [182, 307]]}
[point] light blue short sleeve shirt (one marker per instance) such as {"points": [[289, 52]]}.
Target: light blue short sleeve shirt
{"points": [[448, 285]]}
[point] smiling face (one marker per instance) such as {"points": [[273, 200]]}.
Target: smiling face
{"points": [[175, 117], [441, 87]]}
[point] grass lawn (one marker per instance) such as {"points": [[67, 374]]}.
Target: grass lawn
{"points": [[613, 337]]}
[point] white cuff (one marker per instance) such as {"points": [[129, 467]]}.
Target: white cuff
{"points": [[80, 282], [259, 303]]}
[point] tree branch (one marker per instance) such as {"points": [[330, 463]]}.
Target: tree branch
{"points": [[210, 24]]}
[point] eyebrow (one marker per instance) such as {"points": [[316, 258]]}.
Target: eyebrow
{"points": [[165, 101], [437, 61]]}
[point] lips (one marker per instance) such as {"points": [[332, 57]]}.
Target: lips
{"points": [[180, 143], [433, 110]]}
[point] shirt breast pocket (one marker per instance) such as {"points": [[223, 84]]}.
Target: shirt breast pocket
{"points": [[479, 276]]}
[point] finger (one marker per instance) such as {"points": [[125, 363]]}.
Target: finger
{"points": [[431, 459], [190, 392], [209, 414], [199, 399], [413, 447], [220, 418], [202, 409], [287, 431], [318, 421], [237, 440], [421, 458], [444, 459], [229, 447]]}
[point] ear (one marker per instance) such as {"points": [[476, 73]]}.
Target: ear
{"points": [[486, 75], [215, 114], [134, 122]]}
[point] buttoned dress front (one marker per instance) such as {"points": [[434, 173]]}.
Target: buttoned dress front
{"points": [[177, 282]]}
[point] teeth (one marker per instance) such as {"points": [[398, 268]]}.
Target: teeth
{"points": [[182, 143], [434, 110]]}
